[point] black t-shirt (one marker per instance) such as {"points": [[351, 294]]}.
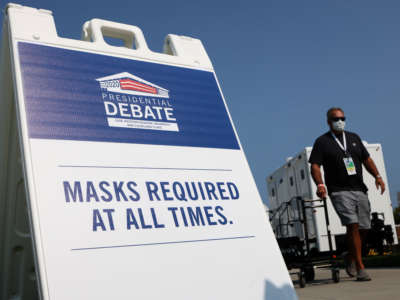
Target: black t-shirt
{"points": [[330, 155]]}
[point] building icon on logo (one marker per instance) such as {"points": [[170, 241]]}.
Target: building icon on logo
{"points": [[127, 83]]}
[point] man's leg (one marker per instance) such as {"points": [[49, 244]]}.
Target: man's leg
{"points": [[354, 240], [364, 239], [354, 243]]}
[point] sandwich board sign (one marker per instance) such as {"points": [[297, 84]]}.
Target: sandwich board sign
{"points": [[135, 181]]}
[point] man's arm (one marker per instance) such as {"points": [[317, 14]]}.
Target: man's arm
{"points": [[371, 168], [317, 177]]}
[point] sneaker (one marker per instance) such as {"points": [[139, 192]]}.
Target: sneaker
{"points": [[350, 266], [362, 275]]}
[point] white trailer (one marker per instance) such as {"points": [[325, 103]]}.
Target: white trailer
{"points": [[294, 179]]}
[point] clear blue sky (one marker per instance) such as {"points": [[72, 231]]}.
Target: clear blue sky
{"points": [[281, 65]]}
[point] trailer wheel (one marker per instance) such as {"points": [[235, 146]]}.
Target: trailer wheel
{"points": [[302, 279], [335, 275], [309, 273]]}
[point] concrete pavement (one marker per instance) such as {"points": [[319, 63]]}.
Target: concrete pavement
{"points": [[385, 284]]}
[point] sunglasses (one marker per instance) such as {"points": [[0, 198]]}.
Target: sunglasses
{"points": [[335, 119]]}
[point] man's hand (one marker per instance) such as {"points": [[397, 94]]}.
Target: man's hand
{"points": [[371, 168], [317, 177], [379, 183], [321, 191]]}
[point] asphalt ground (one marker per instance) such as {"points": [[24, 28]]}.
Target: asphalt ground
{"points": [[384, 285]]}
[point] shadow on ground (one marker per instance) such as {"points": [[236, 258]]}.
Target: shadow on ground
{"points": [[273, 292]]}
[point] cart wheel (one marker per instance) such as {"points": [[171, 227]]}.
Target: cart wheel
{"points": [[335, 275], [302, 279], [309, 273]]}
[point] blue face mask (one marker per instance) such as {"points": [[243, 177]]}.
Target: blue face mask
{"points": [[339, 125]]}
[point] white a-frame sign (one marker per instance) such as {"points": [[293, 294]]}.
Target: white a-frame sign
{"points": [[122, 176]]}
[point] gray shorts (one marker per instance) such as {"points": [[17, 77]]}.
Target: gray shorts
{"points": [[352, 207]]}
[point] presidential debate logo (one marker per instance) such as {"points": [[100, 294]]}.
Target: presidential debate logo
{"points": [[132, 102]]}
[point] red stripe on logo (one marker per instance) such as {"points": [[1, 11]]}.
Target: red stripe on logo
{"points": [[135, 82], [129, 84], [140, 90], [138, 86], [128, 87]]}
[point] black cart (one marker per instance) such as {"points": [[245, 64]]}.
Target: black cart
{"points": [[298, 252]]}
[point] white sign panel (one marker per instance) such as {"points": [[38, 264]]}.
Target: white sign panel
{"points": [[139, 186]]}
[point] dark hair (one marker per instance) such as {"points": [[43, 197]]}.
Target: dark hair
{"points": [[331, 110]]}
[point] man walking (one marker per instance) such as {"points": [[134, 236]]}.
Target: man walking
{"points": [[342, 155]]}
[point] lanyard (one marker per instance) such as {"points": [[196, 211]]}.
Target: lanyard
{"points": [[344, 146]]}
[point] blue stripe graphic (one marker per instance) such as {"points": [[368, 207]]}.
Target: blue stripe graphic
{"points": [[165, 243], [143, 168]]}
